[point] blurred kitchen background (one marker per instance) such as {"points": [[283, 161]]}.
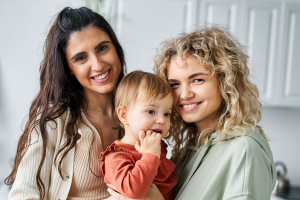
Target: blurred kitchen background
{"points": [[269, 28]]}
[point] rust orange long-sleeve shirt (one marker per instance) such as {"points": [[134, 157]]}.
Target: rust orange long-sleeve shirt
{"points": [[132, 173]]}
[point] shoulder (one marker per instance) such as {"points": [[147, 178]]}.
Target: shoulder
{"points": [[55, 127], [249, 162], [59, 123], [251, 158], [115, 155], [249, 149], [59, 116], [244, 144], [63, 118], [249, 141], [116, 150]]}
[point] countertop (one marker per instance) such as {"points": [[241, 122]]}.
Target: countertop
{"points": [[274, 197]]}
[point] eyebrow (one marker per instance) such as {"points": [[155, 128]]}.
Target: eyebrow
{"points": [[190, 77], [156, 106], [101, 43], [197, 74], [153, 105], [96, 47]]}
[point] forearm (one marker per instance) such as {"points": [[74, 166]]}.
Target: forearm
{"points": [[131, 180]]}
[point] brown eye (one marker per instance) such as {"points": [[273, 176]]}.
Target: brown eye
{"points": [[152, 112], [174, 85], [102, 48], [198, 80], [80, 58]]}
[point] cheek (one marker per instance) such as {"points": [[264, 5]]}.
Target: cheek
{"points": [[79, 73], [139, 122], [83, 76], [144, 122], [214, 95], [118, 70], [168, 122], [114, 59], [176, 96]]}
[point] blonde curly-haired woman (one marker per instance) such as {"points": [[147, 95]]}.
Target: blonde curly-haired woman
{"points": [[220, 151]]}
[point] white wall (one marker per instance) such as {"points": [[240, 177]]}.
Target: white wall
{"points": [[23, 29], [282, 126]]}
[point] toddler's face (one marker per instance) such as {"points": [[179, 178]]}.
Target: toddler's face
{"points": [[150, 116]]}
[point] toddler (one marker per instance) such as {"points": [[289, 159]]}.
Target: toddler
{"points": [[143, 104]]}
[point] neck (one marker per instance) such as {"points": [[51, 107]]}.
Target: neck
{"points": [[201, 126], [129, 137], [99, 102], [208, 123]]}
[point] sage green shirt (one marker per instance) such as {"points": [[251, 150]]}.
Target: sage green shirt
{"points": [[241, 167]]}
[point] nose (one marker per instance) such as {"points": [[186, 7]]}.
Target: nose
{"points": [[186, 92], [97, 64], [160, 119]]}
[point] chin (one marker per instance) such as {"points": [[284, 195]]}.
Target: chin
{"points": [[105, 90], [193, 118], [189, 119]]}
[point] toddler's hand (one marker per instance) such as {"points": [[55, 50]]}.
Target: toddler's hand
{"points": [[150, 143]]}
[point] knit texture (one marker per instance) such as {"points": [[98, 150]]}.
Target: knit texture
{"points": [[25, 186], [86, 185], [133, 173]]}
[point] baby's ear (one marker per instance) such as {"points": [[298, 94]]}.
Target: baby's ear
{"points": [[122, 114]]}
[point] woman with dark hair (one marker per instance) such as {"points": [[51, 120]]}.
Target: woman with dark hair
{"points": [[71, 119]]}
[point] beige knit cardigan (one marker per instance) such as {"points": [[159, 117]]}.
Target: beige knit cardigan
{"points": [[25, 186]]}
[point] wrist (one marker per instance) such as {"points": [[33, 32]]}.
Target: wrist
{"points": [[154, 153]]}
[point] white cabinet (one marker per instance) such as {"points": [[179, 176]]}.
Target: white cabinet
{"points": [[269, 29], [223, 12], [289, 68], [143, 24], [261, 26]]}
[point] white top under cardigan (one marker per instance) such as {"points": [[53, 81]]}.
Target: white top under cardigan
{"points": [[25, 186]]}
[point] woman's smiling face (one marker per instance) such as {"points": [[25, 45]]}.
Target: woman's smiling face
{"points": [[93, 59], [197, 96]]}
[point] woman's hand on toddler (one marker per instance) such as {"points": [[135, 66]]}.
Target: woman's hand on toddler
{"points": [[150, 142]]}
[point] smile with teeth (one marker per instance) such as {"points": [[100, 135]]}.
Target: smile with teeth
{"points": [[189, 106], [101, 76]]}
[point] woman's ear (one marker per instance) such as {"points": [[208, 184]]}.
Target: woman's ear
{"points": [[122, 115]]}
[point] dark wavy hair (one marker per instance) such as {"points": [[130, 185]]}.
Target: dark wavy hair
{"points": [[59, 90]]}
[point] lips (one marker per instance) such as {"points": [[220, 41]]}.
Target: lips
{"points": [[188, 107], [102, 77], [157, 130]]}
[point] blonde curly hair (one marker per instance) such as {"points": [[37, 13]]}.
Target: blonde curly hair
{"points": [[225, 57]]}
